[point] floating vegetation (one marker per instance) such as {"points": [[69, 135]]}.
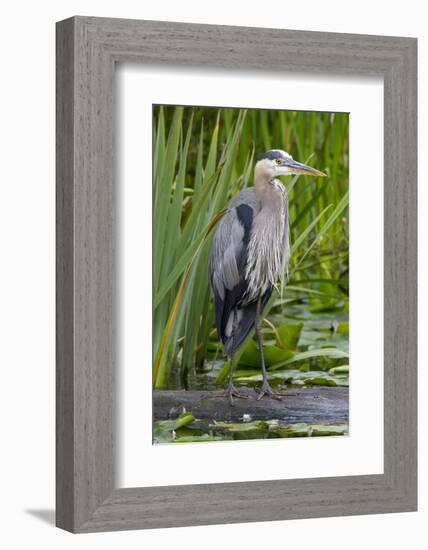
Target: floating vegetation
{"points": [[190, 430]]}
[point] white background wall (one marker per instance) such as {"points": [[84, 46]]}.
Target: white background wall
{"points": [[27, 272]]}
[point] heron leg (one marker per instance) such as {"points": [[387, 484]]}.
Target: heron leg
{"points": [[231, 390], [265, 388]]}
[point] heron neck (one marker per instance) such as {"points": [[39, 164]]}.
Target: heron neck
{"points": [[261, 182], [269, 191]]}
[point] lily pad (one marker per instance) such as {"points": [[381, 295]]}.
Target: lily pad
{"points": [[320, 381], [311, 430], [341, 369], [273, 355], [343, 328], [164, 431], [293, 377], [290, 334], [197, 438], [332, 353], [274, 428]]}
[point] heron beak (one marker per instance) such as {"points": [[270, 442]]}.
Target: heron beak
{"points": [[299, 168]]}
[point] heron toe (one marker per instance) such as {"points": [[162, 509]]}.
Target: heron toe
{"points": [[266, 389], [232, 392]]}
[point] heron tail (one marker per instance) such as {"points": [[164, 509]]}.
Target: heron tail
{"points": [[240, 324], [242, 321]]}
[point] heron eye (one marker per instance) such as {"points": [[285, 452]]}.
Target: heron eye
{"points": [[278, 161]]}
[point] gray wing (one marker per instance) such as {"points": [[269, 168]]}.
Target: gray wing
{"points": [[228, 260], [225, 266], [226, 252]]}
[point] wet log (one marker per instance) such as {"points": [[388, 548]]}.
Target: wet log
{"points": [[311, 405]]}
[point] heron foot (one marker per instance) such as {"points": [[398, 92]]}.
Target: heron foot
{"points": [[267, 390], [230, 393]]}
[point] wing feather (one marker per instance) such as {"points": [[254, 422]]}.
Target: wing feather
{"points": [[228, 260]]}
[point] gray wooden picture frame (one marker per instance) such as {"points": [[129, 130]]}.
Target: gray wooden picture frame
{"points": [[87, 51]]}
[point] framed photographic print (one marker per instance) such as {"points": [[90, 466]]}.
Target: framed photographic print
{"points": [[236, 274], [244, 262]]}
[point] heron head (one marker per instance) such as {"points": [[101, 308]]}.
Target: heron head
{"points": [[277, 162]]}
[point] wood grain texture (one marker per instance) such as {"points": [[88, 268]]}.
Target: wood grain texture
{"points": [[64, 278], [308, 405], [87, 49]]}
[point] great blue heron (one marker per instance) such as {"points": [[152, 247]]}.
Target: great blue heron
{"points": [[250, 251]]}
